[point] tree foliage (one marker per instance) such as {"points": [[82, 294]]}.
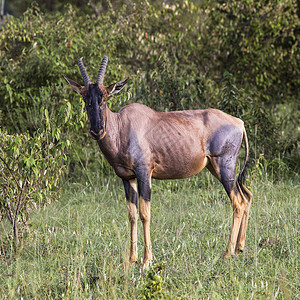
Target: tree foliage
{"points": [[257, 41]]}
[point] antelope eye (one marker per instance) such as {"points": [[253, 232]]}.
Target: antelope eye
{"points": [[100, 100]]}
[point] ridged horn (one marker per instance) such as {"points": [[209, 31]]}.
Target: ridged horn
{"points": [[83, 72], [101, 72]]}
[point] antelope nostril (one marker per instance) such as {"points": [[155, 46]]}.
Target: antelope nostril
{"points": [[94, 133], [97, 136]]}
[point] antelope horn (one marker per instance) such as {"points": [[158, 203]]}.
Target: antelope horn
{"points": [[101, 72], [83, 72]]}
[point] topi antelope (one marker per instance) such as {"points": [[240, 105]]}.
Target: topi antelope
{"points": [[140, 144]]}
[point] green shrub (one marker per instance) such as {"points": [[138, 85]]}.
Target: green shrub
{"points": [[257, 41], [153, 288], [31, 166]]}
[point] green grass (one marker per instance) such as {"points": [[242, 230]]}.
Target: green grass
{"points": [[79, 247]]}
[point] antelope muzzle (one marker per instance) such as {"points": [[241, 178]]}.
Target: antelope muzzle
{"points": [[97, 136]]}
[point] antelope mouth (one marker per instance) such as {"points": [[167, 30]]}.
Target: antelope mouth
{"points": [[97, 136]]}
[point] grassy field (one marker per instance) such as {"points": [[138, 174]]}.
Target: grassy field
{"points": [[79, 247]]}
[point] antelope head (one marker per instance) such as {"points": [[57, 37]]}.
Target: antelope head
{"points": [[95, 97]]}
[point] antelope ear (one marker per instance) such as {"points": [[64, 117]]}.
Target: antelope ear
{"points": [[75, 86], [116, 87]]}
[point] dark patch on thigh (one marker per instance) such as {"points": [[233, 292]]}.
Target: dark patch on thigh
{"points": [[142, 176], [139, 165], [131, 194], [226, 140], [224, 144], [227, 170]]}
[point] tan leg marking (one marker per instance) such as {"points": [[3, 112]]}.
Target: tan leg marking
{"points": [[239, 206], [243, 229], [133, 219], [145, 215]]}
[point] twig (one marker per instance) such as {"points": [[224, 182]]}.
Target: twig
{"points": [[120, 20], [17, 210], [2, 13], [11, 172], [7, 275], [8, 211], [96, 9], [2, 10]]}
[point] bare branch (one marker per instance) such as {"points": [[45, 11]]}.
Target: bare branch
{"points": [[2, 13], [2, 10], [11, 172], [20, 198], [95, 8], [17, 211], [8, 211]]}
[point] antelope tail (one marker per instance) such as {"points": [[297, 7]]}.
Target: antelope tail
{"points": [[242, 175]]}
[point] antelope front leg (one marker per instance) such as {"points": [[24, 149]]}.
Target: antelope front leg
{"points": [[131, 197], [145, 216], [144, 189]]}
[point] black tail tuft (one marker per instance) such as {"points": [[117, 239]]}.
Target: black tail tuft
{"points": [[242, 177]]}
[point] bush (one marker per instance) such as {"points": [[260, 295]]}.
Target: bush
{"points": [[31, 167], [153, 288], [258, 42]]}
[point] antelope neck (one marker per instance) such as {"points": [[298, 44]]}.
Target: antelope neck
{"points": [[109, 143]]}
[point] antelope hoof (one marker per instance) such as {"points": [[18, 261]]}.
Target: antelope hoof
{"points": [[228, 254], [133, 260], [132, 263], [239, 250], [146, 264]]}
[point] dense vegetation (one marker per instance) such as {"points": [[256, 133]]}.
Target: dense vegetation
{"points": [[239, 56]]}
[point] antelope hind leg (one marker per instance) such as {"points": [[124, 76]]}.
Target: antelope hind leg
{"points": [[224, 170], [239, 206], [243, 228]]}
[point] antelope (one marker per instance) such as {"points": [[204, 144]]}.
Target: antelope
{"points": [[141, 144]]}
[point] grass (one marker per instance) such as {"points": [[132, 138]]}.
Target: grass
{"points": [[79, 247]]}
